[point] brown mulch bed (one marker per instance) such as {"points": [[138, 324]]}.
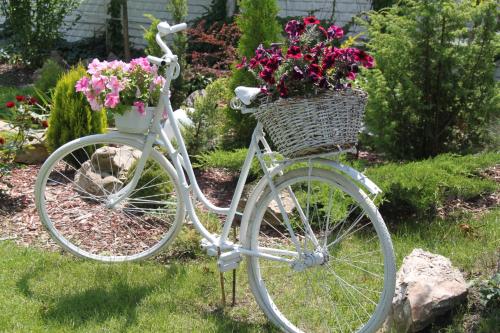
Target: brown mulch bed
{"points": [[20, 221], [15, 75]]}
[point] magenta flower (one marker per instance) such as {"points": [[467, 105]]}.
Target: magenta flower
{"points": [[243, 63], [294, 52], [282, 88], [139, 107], [311, 20], [351, 76], [335, 32]]}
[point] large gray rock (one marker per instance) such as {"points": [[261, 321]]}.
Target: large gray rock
{"points": [[427, 286], [87, 181], [114, 160]]}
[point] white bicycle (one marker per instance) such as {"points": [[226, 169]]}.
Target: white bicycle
{"points": [[318, 253]]}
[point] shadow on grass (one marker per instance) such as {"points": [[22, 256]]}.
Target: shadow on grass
{"points": [[108, 295]]}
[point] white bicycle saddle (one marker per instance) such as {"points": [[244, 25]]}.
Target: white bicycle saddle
{"points": [[247, 94]]}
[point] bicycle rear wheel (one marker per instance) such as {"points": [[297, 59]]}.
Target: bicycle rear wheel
{"points": [[337, 271], [72, 195]]}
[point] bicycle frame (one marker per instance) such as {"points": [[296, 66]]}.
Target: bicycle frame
{"points": [[189, 185]]}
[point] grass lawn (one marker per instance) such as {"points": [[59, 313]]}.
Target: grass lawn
{"points": [[50, 292]]}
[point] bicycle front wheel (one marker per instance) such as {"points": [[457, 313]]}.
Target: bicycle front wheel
{"points": [[331, 267], [73, 192]]}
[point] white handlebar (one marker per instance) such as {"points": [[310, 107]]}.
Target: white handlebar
{"points": [[164, 28]]}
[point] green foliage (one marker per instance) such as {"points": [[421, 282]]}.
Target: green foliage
{"points": [[154, 184], [258, 24], [230, 160], [50, 73], [207, 118], [71, 116], [36, 25], [422, 187], [433, 89], [490, 292], [179, 10], [114, 27], [149, 36], [216, 13]]}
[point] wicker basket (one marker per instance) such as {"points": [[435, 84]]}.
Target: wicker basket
{"points": [[308, 126]]}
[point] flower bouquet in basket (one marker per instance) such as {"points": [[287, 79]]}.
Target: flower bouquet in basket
{"points": [[310, 106], [125, 89]]}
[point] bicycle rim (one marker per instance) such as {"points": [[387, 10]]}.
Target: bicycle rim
{"points": [[351, 290], [72, 196]]}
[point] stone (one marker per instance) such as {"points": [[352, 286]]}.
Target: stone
{"points": [[427, 286], [88, 181], [34, 153], [114, 160], [273, 214], [189, 102]]}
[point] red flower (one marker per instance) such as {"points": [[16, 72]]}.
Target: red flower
{"points": [[32, 101], [242, 64], [2, 141], [308, 58], [294, 52], [10, 104], [323, 30], [45, 123], [311, 20], [20, 98], [267, 75]]}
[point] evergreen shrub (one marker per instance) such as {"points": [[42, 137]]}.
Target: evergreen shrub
{"points": [[433, 88], [71, 116], [50, 73], [258, 24]]}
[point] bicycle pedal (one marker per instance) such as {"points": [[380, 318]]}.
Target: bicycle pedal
{"points": [[208, 247], [229, 261]]}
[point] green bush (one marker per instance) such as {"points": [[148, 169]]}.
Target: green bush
{"points": [[230, 160], [154, 184], [50, 73], [149, 36], [179, 10], [207, 118], [258, 24], [420, 188], [36, 25], [433, 88], [71, 116]]}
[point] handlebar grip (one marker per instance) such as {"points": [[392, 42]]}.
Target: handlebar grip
{"points": [[157, 61], [178, 27], [164, 28]]}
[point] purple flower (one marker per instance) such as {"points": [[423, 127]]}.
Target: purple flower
{"points": [[297, 73], [294, 29], [335, 32]]}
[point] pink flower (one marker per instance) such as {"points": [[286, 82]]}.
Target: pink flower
{"points": [[139, 107], [141, 62], [351, 76], [98, 83], [242, 64], [82, 85], [115, 85], [94, 103], [159, 81], [112, 100]]}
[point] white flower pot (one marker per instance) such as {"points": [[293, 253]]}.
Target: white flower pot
{"points": [[134, 122]]}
